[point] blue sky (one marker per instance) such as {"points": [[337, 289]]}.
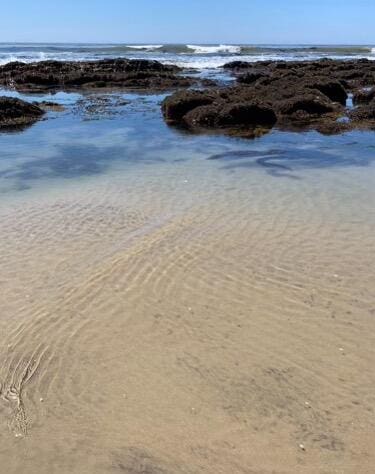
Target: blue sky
{"points": [[189, 21]]}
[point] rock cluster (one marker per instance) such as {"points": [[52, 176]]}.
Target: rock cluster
{"points": [[110, 74], [327, 95], [310, 94], [17, 113]]}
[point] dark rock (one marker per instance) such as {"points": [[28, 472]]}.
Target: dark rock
{"points": [[179, 104], [331, 88], [249, 106], [351, 74], [304, 106], [300, 94], [364, 96], [364, 113], [251, 77], [237, 65], [229, 115], [333, 128], [282, 65], [12, 66], [48, 105], [110, 73], [203, 116], [17, 113]]}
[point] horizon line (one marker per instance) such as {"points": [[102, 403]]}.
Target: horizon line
{"points": [[186, 43]]}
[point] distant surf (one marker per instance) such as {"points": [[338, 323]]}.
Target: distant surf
{"points": [[198, 56]]}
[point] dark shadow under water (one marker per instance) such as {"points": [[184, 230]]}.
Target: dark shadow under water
{"points": [[285, 162], [72, 161]]}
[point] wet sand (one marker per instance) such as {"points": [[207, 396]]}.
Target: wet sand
{"points": [[235, 337], [188, 317]]}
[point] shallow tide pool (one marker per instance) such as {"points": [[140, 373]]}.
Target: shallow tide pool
{"points": [[163, 289]]}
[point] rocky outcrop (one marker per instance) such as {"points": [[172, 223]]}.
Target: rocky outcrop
{"points": [[251, 77], [182, 102], [232, 114], [351, 74], [17, 113], [333, 89], [364, 96], [298, 95], [237, 65], [246, 107], [364, 113], [303, 106], [110, 74]]}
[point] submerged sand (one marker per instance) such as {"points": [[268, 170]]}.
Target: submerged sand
{"points": [[233, 333]]}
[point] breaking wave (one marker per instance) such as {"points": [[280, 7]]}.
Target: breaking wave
{"points": [[199, 56], [222, 48]]}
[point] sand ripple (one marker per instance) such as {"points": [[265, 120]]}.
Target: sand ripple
{"points": [[237, 326]]}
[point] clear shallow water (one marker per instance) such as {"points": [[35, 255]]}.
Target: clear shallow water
{"points": [[91, 138], [177, 303], [191, 56]]}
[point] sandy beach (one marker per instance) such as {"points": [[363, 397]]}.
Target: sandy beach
{"points": [[202, 319]]}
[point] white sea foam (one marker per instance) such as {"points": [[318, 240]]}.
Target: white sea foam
{"points": [[211, 62], [146, 47], [222, 48], [7, 59]]}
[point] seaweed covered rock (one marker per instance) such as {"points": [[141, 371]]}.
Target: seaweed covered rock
{"points": [[179, 104], [351, 74], [236, 65], [251, 77], [229, 115], [17, 113], [288, 94], [108, 73], [304, 106], [247, 106], [333, 89], [364, 96], [364, 113]]}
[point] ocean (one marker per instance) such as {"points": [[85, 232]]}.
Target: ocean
{"points": [[185, 55]]}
